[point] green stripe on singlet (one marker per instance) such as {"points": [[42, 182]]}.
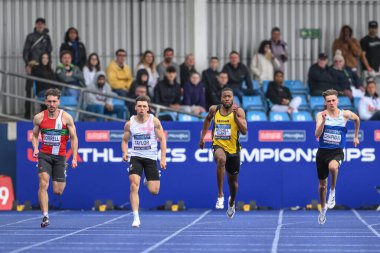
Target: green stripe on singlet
{"points": [[55, 131]]}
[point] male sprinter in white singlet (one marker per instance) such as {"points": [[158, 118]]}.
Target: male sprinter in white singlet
{"points": [[144, 129], [331, 131]]}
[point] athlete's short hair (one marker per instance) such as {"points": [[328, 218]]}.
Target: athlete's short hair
{"points": [[143, 99], [329, 93], [53, 92], [227, 89]]}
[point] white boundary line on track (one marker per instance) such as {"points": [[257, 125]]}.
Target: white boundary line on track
{"points": [[67, 235], [365, 223], [155, 246], [277, 234], [34, 218]]}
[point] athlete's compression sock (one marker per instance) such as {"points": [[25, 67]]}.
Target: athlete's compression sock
{"points": [[45, 214], [332, 191]]}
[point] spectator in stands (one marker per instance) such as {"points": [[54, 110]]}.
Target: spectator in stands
{"points": [[44, 70], [264, 63], [168, 91], [70, 74], [215, 94], [92, 66], [119, 74], [187, 68], [279, 47], [168, 61], [36, 43], [369, 105], [280, 95], [102, 104], [194, 94], [348, 82], [76, 47], [209, 79], [237, 74], [148, 63], [140, 90], [370, 45], [349, 47], [321, 77], [142, 79]]}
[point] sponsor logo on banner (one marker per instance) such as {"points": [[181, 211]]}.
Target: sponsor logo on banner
{"points": [[116, 135], [97, 136], [351, 133], [177, 135], [377, 135], [30, 134], [282, 135]]}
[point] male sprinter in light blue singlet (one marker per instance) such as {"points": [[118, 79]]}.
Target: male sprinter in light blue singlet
{"points": [[331, 131]]}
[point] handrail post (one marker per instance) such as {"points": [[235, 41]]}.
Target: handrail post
{"points": [[79, 105]]}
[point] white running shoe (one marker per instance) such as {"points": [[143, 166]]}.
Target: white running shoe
{"points": [[219, 203], [136, 223], [322, 216], [231, 209], [331, 200]]}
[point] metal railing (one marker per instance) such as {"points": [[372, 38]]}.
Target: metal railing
{"points": [[158, 108]]}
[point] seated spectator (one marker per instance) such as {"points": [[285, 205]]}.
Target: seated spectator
{"points": [[264, 63], [148, 63], [140, 90], [168, 92], [119, 74], [187, 68], [142, 79], [102, 104], [168, 61], [194, 95], [209, 79], [237, 74], [348, 81], [215, 95], [280, 95], [70, 74], [369, 105], [92, 66], [321, 77], [44, 70], [76, 47]]}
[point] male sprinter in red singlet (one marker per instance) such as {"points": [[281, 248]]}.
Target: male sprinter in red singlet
{"points": [[229, 122], [144, 129], [56, 126]]}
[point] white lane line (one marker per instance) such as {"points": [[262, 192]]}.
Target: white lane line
{"points": [[277, 234], [155, 246], [365, 223], [34, 218], [67, 235]]}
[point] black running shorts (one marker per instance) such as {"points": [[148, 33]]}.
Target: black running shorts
{"points": [[324, 157], [149, 166], [54, 165], [232, 161]]}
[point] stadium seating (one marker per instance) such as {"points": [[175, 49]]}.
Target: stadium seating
{"points": [[296, 86], [256, 116], [345, 103], [279, 116], [69, 101], [236, 100], [167, 116], [317, 103], [302, 116], [304, 106], [265, 86], [186, 118], [253, 103]]}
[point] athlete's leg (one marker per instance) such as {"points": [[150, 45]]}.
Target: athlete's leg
{"points": [[43, 196], [58, 187], [333, 168], [233, 184], [322, 190], [154, 186], [220, 158], [134, 180]]}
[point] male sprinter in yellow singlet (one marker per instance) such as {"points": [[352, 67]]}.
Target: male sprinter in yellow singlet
{"points": [[229, 122]]}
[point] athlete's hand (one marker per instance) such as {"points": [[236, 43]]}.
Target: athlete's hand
{"points": [[324, 116], [35, 153], [74, 163], [235, 109], [125, 157], [163, 164], [202, 144], [356, 141]]}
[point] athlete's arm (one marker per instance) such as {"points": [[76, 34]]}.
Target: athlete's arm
{"points": [[352, 116], [321, 119], [124, 141], [36, 130], [160, 135], [206, 125], [73, 138], [239, 116]]}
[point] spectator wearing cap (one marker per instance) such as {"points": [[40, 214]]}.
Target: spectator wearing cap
{"points": [[36, 43], [320, 76], [370, 45], [369, 105], [349, 46], [119, 74]]}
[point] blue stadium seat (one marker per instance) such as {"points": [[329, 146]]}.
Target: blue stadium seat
{"points": [[317, 103], [253, 103], [255, 84], [278, 116], [265, 86], [118, 102], [356, 102], [296, 86], [304, 104], [167, 116], [69, 101], [345, 103], [302, 116], [256, 116], [236, 100], [204, 114], [186, 118]]}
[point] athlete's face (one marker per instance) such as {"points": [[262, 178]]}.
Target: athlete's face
{"points": [[142, 107], [227, 99], [331, 102], [52, 103]]}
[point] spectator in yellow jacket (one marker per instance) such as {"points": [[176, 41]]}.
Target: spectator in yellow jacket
{"points": [[119, 74]]}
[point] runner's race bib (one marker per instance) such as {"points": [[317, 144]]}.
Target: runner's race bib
{"points": [[222, 132]]}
